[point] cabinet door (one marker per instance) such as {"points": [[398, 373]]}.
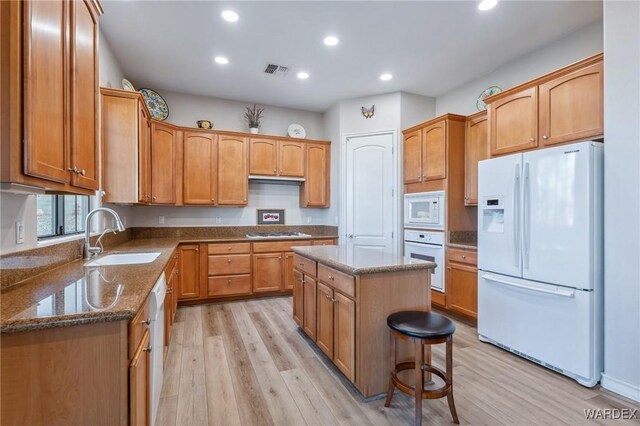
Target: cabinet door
{"points": [[233, 183], [513, 122], [289, 277], [46, 51], [344, 323], [263, 158], [189, 264], [462, 289], [309, 311], [316, 186], [290, 159], [571, 106], [168, 308], [434, 152], [325, 319], [144, 155], [200, 172], [298, 297], [476, 149], [267, 272], [412, 157], [139, 391], [163, 164], [84, 94]]}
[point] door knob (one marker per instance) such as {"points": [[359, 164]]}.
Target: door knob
{"points": [[350, 235]]}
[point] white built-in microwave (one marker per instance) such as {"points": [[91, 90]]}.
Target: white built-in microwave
{"points": [[424, 210]]}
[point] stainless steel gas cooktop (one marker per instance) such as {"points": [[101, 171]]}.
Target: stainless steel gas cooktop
{"points": [[277, 235]]}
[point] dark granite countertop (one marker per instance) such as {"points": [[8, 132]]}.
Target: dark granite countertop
{"points": [[359, 261], [464, 245], [73, 294]]}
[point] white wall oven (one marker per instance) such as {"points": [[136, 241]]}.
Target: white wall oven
{"points": [[427, 245], [424, 210]]}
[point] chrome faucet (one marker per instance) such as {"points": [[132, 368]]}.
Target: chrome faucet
{"points": [[90, 251]]}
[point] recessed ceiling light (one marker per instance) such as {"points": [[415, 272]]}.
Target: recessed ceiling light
{"points": [[386, 76], [230, 16], [487, 4], [331, 40], [221, 60], [302, 75]]}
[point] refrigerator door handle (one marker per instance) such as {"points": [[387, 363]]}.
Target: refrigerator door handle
{"points": [[527, 216], [516, 216], [558, 292]]}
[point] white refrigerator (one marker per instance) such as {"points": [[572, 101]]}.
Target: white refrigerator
{"points": [[540, 257]]}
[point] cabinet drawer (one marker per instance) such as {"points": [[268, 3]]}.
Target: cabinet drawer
{"points": [[137, 327], [229, 285], [232, 264], [324, 242], [230, 248], [462, 256], [338, 280], [277, 246], [305, 265]]}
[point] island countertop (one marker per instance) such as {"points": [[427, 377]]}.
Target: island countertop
{"points": [[360, 261]]}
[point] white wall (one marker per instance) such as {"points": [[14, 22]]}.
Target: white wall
{"points": [[622, 197], [578, 45], [186, 109], [111, 73], [415, 109]]}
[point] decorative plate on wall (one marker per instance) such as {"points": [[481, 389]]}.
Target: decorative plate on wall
{"points": [[126, 85], [489, 91], [156, 104], [296, 131]]}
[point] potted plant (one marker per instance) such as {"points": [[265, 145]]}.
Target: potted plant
{"points": [[254, 118]]}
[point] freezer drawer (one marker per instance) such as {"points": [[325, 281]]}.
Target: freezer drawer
{"points": [[551, 325]]}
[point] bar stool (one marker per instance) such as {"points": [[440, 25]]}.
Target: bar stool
{"points": [[422, 328]]}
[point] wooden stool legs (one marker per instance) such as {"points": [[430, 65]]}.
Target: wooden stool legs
{"points": [[419, 371]]}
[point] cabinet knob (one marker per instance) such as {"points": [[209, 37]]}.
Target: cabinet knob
{"points": [[532, 139], [274, 170], [333, 300], [228, 281], [147, 349], [146, 322], [154, 198], [464, 257], [331, 277], [545, 137], [228, 260], [83, 172]]}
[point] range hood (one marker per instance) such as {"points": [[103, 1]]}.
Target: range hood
{"points": [[276, 179]]}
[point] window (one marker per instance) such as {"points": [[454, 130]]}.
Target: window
{"points": [[61, 214]]}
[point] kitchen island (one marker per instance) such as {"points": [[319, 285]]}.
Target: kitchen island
{"points": [[341, 299]]}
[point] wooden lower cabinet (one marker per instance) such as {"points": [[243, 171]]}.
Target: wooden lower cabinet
{"points": [[289, 275], [309, 306], [189, 266], [231, 285], [462, 282], [324, 318], [344, 334], [139, 391], [298, 297], [268, 272]]}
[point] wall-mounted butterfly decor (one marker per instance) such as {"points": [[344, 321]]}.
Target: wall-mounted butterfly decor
{"points": [[368, 112]]}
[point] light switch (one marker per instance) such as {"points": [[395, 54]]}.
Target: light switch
{"points": [[19, 232], [308, 219]]}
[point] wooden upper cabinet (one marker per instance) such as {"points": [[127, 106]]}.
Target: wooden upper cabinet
{"points": [[434, 148], [163, 164], [315, 189], [290, 158], [513, 122], [84, 94], [200, 170], [412, 157], [263, 157], [144, 155], [571, 106], [233, 184], [476, 149], [46, 79]]}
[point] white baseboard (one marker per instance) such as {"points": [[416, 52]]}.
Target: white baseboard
{"points": [[620, 387]]}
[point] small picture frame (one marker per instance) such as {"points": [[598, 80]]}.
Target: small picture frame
{"points": [[270, 216]]}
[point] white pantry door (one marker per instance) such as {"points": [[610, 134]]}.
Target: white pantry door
{"points": [[369, 191]]}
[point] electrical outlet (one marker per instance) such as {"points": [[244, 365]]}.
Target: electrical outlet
{"points": [[218, 220], [160, 220], [309, 219], [19, 232], [336, 220]]}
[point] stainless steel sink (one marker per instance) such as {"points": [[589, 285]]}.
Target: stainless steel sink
{"points": [[124, 259]]}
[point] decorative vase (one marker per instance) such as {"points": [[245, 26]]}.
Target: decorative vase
{"points": [[253, 130]]}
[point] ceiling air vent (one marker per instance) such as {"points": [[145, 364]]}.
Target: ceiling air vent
{"points": [[277, 70]]}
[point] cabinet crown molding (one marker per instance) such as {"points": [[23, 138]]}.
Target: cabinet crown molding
{"points": [[448, 116]]}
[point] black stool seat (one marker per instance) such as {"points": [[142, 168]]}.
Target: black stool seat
{"points": [[423, 325]]}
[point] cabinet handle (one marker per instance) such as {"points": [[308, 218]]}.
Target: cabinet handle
{"points": [[146, 322], [301, 264], [545, 137], [147, 349], [83, 172], [326, 296], [333, 300], [532, 139], [331, 277]]}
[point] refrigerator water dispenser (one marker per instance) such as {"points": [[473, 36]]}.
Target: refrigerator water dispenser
{"points": [[493, 214]]}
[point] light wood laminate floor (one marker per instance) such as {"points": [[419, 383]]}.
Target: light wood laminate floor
{"points": [[247, 363]]}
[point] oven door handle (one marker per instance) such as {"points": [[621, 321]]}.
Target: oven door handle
{"points": [[424, 245]]}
